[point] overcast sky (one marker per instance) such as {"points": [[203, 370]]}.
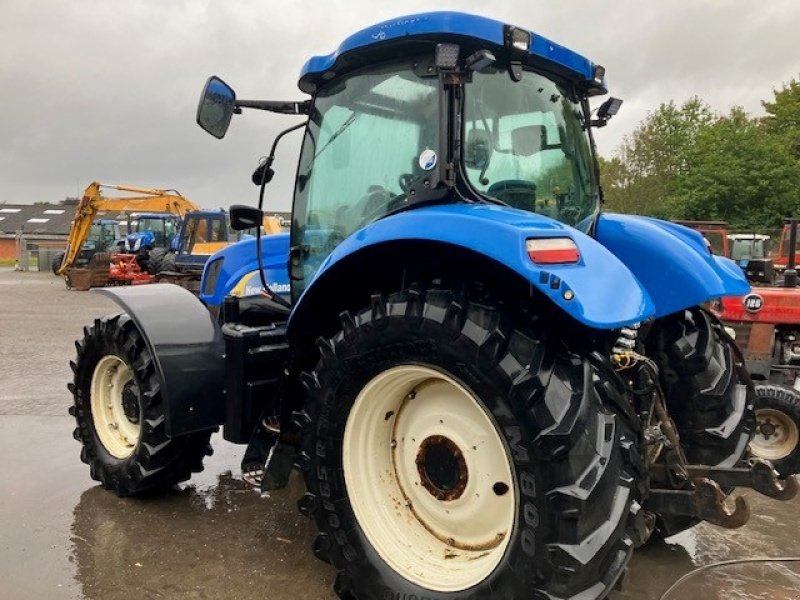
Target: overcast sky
{"points": [[107, 91]]}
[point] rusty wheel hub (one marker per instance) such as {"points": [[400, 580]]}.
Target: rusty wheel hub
{"points": [[442, 468]]}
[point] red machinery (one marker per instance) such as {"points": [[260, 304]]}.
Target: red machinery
{"points": [[767, 326], [715, 232], [125, 270]]}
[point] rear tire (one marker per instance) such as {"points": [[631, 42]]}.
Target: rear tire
{"points": [[55, 264], [706, 397], [516, 429], [168, 263], [777, 437], [120, 413], [154, 260]]}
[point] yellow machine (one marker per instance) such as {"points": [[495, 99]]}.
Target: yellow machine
{"points": [[92, 202]]}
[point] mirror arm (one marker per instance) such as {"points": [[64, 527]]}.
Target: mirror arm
{"points": [[278, 106]]}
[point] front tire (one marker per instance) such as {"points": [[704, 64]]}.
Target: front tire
{"points": [[120, 413], [450, 455], [777, 437]]}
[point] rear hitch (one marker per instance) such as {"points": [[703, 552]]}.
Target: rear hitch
{"points": [[707, 501], [759, 476]]}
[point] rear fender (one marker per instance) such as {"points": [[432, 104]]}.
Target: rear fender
{"points": [[189, 352], [599, 291], [672, 262]]}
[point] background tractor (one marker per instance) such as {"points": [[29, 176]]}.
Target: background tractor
{"points": [[202, 234], [766, 323], [488, 384], [752, 253], [715, 232]]}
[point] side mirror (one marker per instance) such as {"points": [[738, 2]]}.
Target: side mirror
{"points": [[245, 217], [217, 105], [606, 110], [478, 151], [528, 140]]}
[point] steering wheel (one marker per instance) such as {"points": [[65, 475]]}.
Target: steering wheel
{"points": [[518, 193]]}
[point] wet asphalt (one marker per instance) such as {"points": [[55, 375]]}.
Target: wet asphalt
{"points": [[61, 536]]}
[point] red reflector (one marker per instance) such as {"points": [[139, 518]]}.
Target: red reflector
{"points": [[549, 251]]}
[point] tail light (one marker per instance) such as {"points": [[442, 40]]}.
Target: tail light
{"points": [[551, 251]]}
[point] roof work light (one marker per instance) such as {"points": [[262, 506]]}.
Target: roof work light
{"points": [[518, 39]]}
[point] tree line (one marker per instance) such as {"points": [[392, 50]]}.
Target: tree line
{"points": [[686, 162]]}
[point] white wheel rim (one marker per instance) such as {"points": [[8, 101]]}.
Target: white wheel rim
{"points": [[776, 434], [412, 413], [118, 433]]}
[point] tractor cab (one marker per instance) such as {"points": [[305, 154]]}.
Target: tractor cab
{"points": [[751, 252], [152, 230], [418, 120], [104, 236]]}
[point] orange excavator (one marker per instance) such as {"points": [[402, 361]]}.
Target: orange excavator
{"points": [[84, 267]]}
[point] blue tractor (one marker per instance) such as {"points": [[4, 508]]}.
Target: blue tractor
{"points": [[153, 232], [492, 388], [203, 234]]}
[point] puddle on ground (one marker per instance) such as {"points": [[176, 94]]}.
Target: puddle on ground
{"points": [[62, 536]]}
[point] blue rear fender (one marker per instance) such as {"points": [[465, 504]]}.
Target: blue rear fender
{"points": [[671, 262], [599, 291]]}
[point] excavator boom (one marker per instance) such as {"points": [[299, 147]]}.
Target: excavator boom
{"points": [[92, 202]]}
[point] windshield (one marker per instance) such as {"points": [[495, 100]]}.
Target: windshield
{"points": [[716, 239], [162, 229], [526, 145], [369, 136], [748, 248], [100, 236]]}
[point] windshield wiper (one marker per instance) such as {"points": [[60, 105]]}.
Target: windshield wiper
{"points": [[350, 120]]}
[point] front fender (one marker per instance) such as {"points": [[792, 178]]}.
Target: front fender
{"points": [[671, 261], [605, 295], [188, 349]]}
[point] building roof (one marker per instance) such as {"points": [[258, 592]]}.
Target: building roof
{"points": [[50, 219], [56, 219]]}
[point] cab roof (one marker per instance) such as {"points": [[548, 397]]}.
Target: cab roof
{"points": [[439, 27], [748, 236]]}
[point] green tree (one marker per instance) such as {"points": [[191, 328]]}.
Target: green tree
{"points": [[652, 158], [737, 171], [617, 183], [783, 115]]}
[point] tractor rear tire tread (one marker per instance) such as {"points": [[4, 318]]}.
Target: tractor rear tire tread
{"points": [[700, 381], [699, 376], [587, 466], [155, 258], [167, 263]]}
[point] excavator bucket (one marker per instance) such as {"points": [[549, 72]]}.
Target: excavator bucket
{"points": [[96, 273]]}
